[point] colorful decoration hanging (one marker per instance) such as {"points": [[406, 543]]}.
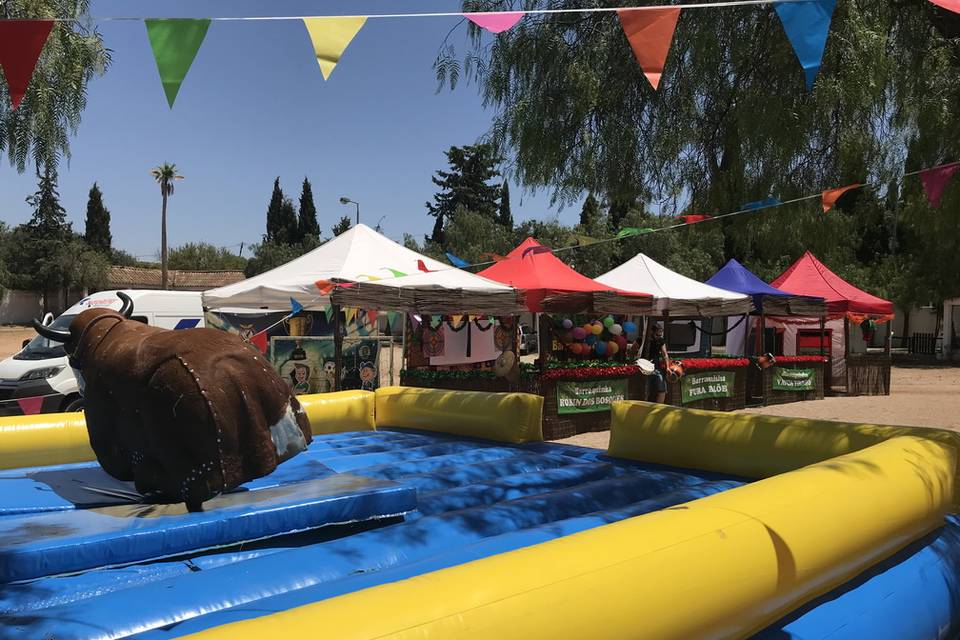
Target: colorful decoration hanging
{"points": [[330, 37], [459, 263], [433, 342], [495, 22], [259, 340], [935, 181], [21, 42], [423, 267], [30, 406], [650, 32], [325, 287], [830, 196], [694, 218], [761, 204], [295, 307], [175, 44], [535, 250], [628, 232], [807, 25], [504, 335]]}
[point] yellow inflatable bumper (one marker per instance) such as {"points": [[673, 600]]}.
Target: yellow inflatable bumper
{"points": [[47, 439]]}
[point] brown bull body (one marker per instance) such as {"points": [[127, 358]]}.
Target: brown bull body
{"points": [[185, 414]]}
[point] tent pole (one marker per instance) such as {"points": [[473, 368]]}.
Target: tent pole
{"points": [[846, 352], [543, 341], [403, 346], [337, 345]]}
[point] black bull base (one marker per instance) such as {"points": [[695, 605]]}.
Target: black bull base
{"points": [[186, 414]]}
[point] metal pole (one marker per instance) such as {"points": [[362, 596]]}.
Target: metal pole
{"points": [[358, 211], [337, 345]]}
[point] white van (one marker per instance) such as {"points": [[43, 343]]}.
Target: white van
{"points": [[38, 378]]}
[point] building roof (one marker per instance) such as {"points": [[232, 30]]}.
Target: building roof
{"points": [[179, 280]]}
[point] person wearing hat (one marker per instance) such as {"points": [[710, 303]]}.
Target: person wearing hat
{"points": [[658, 353]]}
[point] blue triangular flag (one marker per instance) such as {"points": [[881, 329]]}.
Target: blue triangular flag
{"points": [[761, 204], [807, 25], [459, 263], [295, 307]]}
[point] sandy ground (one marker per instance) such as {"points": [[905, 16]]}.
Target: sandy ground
{"points": [[11, 337], [920, 396]]}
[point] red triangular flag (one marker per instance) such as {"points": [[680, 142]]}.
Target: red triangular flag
{"points": [[21, 42], [423, 267], [949, 5], [30, 406], [372, 316], [935, 181], [692, 218], [259, 340], [830, 196], [324, 287], [650, 32]]}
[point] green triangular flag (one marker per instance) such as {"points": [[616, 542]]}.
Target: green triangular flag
{"points": [[626, 232], [391, 319], [175, 43]]}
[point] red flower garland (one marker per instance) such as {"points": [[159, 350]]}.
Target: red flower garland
{"points": [[798, 359], [709, 364], [591, 373]]}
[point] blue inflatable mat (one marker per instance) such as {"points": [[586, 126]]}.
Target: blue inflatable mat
{"points": [[61, 542]]}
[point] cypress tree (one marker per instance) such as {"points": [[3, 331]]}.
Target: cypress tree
{"points": [[590, 212], [505, 216], [97, 230], [286, 232], [307, 225], [274, 213]]}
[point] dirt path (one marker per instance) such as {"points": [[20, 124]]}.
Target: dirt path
{"points": [[12, 337], [921, 396]]}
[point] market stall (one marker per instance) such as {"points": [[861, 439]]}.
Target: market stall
{"points": [[582, 364], [779, 379], [330, 319], [685, 306], [852, 317]]}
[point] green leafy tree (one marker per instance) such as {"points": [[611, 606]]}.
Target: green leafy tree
{"points": [[203, 256], [270, 255], [590, 212], [505, 216], [165, 175], [343, 225], [97, 229], [466, 185], [275, 227], [38, 132], [307, 224], [287, 232]]}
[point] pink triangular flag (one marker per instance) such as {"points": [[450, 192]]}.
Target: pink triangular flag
{"points": [[949, 5], [21, 42], [495, 22], [935, 181], [650, 32], [30, 406]]}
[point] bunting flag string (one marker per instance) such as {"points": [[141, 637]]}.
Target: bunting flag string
{"points": [[21, 42], [495, 22], [694, 218], [650, 34], [175, 44], [331, 37], [935, 181], [584, 241], [807, 25], [761, 204], [830, 196], [349, 313], [459, 263], [628, 232], [295, 307]]}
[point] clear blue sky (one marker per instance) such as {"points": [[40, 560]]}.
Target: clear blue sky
{"points": [[255, 106]]}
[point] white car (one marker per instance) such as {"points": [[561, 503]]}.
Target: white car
{"points": [[38, 379]]}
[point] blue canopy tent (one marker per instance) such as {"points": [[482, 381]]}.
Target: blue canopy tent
{"points": [[767, 300]]}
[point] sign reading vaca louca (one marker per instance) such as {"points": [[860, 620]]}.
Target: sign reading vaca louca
{"points": [[715, 384], [585, 396], [794, 379]]}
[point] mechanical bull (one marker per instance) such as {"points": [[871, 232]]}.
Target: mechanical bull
{"points": [[185, 415]]}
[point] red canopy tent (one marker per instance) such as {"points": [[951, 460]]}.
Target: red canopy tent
{"points": [[853, 368], [549, 284], [810, 277]]}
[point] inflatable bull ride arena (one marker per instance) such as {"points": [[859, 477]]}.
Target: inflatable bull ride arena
{"points": [[214, 487]]}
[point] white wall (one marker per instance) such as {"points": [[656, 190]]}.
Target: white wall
{"points": [[20, 307]]}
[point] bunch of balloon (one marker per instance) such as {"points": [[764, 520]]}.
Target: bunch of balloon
{"points": [[603, 338]]}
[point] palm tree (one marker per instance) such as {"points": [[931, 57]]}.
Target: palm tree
{"points": [[165, 174]]}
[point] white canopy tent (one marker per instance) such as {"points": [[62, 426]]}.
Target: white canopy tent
{"points": [[384, 275], [674, 294]]}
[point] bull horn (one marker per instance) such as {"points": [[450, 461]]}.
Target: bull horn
{"points": [[126, 310], [55, 335]]}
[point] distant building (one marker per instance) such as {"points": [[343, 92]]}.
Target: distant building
{"points": [[143, 278]]}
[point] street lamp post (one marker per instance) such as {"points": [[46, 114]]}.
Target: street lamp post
{"points": [[377, 228], [345, 200]]}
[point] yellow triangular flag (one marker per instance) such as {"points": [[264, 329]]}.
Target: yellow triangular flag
{"points": [[349, 314], [330, 37]]}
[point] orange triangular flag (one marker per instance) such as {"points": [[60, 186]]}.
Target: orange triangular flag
{"points": [[325, 287], [650, 32], [830, 196]]}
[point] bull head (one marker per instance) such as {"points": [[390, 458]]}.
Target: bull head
{"points": [[59, 335]]}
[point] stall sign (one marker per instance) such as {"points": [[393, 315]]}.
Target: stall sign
{"points": [[711, 384], [586, 396], [794, 379]]}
